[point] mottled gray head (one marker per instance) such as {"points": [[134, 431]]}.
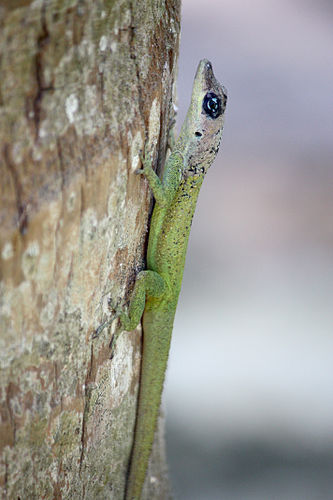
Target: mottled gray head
{"points": [[202, 130]]}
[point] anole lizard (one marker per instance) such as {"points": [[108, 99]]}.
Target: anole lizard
{"points": [[156, 289]]}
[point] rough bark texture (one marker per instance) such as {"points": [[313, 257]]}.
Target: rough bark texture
{"points": [[83, 85]]}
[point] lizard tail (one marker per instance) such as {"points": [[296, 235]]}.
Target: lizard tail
{"points": [[154, 362]]}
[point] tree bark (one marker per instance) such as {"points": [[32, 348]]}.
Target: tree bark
{"points": [[84, 85]]}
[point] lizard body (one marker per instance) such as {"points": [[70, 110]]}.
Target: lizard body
{"points": [[156, 290]]}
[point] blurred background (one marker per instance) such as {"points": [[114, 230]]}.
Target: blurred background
{"points": [[249, 392]]}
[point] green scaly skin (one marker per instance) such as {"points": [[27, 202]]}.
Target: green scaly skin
{"points": [[156, 290]]}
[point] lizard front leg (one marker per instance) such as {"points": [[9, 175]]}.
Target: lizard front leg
{"points": [[153, 179]]}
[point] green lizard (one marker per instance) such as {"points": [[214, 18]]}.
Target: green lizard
{"points": [[156, 290]]}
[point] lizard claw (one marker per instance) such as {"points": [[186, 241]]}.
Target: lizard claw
{"points": [[107, 322], [146, 158], [101, 327], [112, 345]]}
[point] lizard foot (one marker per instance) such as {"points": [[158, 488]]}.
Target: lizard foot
{"points": [[146, 159], [116, 312]]}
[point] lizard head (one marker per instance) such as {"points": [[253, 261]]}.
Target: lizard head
{"points": [[202, 129]]}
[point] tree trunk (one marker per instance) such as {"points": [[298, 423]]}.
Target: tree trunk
{"points": [[83, 86]]}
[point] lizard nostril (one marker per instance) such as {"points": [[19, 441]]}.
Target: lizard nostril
{"points": [[198, 134]]}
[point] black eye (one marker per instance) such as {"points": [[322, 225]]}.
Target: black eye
{"points": [[212, 105]]}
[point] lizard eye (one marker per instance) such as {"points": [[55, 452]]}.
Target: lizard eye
{"points": [[212, 105]]}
